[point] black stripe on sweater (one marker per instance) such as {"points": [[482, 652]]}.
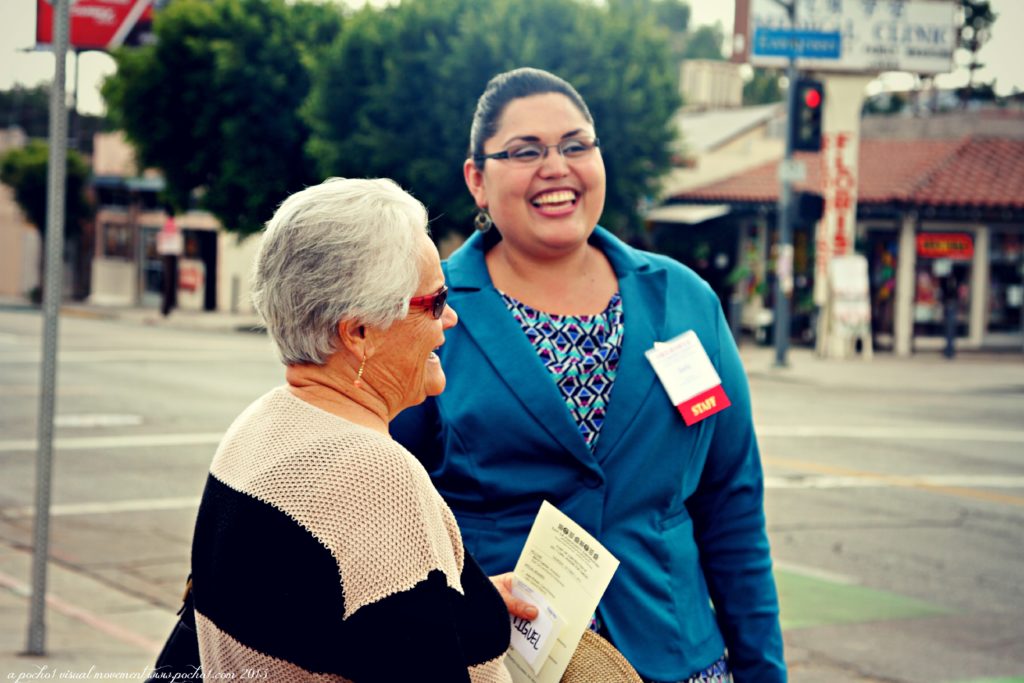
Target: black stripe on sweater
{"points": [[266, 581]]}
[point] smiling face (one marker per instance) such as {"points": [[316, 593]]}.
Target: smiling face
{"points": [[549, 208], [407, 369]]}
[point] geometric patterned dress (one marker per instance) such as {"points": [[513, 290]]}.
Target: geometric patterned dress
{"points": [[582, 354]]}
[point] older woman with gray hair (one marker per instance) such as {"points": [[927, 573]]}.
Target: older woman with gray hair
{"points": [[321, 549]]}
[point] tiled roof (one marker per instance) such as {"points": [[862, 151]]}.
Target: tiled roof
{"points": [[970, 172], [984, 172]]}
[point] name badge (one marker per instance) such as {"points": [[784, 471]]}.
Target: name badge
{"points": [[688, 376], [534, 639]]}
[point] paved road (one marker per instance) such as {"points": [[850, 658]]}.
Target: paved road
{"points": [[896, 511], [895, 498]]}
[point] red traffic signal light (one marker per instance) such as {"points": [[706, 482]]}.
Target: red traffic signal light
{"points": [[805, 117], [812, 98]]}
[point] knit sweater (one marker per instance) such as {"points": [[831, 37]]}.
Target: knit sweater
{"points": [[322, 552]]}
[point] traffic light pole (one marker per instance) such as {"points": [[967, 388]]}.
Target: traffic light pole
{"points": [[784, 222]]}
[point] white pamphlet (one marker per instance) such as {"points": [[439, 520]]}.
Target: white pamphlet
{"points": [[566, 571]]}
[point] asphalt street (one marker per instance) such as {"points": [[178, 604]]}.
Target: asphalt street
{"points": [[895, 498]]}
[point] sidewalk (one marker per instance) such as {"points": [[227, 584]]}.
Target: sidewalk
{"points": [[968, 371], [215, 321], [93, 631], [186, 320]]}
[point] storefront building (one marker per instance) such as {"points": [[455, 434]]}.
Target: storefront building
{"points": [[127, 265], [937, 219], [127, 269]]}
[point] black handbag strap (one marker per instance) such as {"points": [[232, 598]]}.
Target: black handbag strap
{"points": [[187, 611], [179, 660]]}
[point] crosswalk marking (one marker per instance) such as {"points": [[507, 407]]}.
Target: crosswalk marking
{"points": [[921, 432]]}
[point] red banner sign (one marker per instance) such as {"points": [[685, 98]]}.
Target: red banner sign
{"points": [[95, 24], [951, 245]]}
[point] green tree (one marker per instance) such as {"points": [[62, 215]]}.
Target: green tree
{"points": [[884, 104], [214, 102], [705, 42], [973, 32], [763, 88], [395, 95], [25, 171], [671, 16], [28, 107]]}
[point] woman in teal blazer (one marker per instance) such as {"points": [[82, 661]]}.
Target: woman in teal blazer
{"points": [[680, 506]]}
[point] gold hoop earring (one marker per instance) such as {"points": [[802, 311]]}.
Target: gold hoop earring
{"points": [[483, 221], [359, 376]]}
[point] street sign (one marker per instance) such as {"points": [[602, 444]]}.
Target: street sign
{"points": [[869, 35], [792, 171], [170, 241], [783, 42], [95, 24]]}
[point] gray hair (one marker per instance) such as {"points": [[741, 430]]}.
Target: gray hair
{"points": [[345, 249]]}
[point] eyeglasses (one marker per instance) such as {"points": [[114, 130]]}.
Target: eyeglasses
{"points": [[434, 303], [529, 153]]}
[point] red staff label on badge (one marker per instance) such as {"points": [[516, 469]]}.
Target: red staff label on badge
{"points": [[688, 376]]}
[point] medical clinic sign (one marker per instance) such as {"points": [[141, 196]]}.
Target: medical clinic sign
{"points": [[96, 24], [918, 36]]}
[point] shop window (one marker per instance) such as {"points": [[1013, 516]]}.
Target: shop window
{"points": [[117, 240], [939, 279], [152, 270], [882, 250], [191, 243], [1006, 284]]}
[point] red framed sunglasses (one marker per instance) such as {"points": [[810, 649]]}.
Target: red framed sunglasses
{"points": [[434, 303]]}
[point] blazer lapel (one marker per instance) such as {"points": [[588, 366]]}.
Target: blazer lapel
{"points": [[643, 306], [484, 317]]}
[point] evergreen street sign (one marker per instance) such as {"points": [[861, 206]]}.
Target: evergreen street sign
{"points": [[783, 42]]}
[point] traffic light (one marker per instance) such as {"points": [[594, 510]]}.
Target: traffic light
{"points": [[805, 125]]}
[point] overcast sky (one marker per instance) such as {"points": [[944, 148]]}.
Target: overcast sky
{"points": [[19, 63]]}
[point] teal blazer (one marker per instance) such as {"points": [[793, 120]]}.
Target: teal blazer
{"points": [[680, 507]]}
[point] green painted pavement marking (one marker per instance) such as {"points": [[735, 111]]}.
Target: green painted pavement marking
{"points": [[811, 601]]}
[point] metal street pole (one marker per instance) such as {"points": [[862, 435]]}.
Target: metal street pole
{"points": [[75, 125], [784, 247], [51, 308]]}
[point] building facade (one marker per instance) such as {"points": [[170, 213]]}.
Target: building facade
{"points": [[127, 268], [933, 211], [20, 244]]}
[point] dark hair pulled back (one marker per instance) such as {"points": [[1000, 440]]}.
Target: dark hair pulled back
{"points": [[512, 85]]}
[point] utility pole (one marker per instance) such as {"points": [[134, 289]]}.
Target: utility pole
{"points": [[75, 125], [784, 246], [52, 288]]}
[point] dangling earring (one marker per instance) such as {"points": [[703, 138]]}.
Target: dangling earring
{"points": [[483, 221], [359, 376]]}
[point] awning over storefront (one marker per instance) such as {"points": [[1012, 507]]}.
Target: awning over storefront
{"points": [[687, 214]]}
